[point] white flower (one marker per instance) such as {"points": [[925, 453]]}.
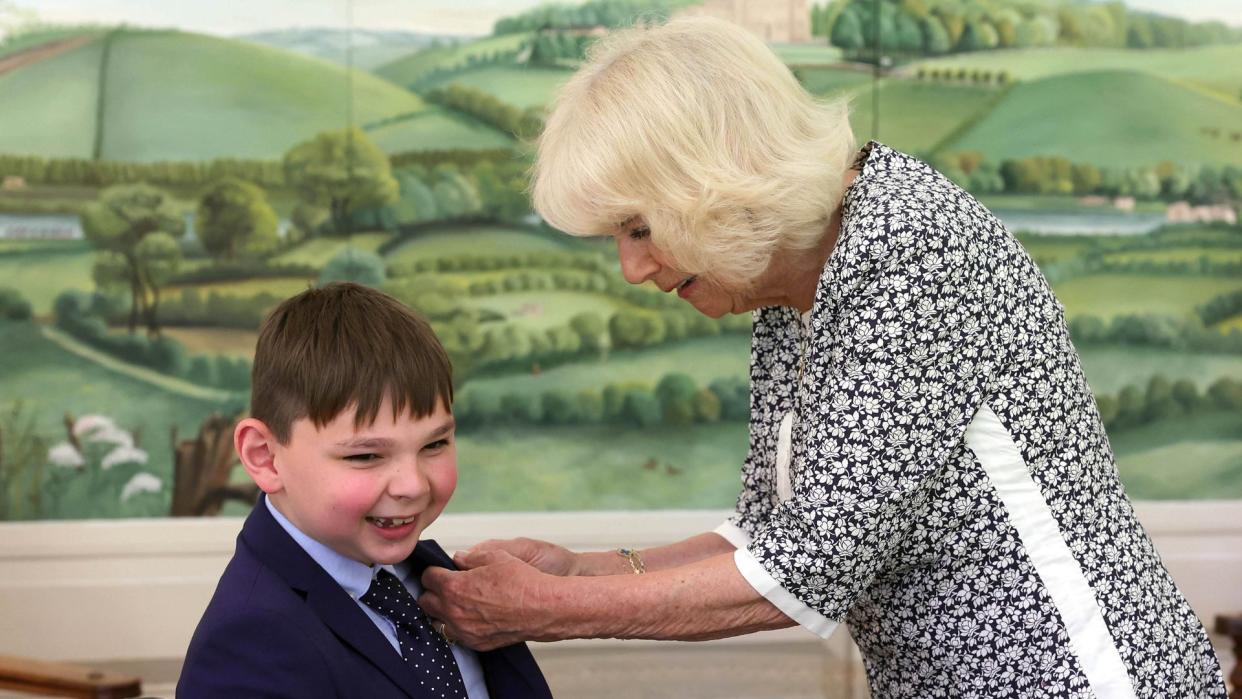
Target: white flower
{"points": [[97, 428], [65, 456], [123, 455], [141, 483]]}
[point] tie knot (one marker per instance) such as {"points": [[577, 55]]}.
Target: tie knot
{"points": [[388, 596]]}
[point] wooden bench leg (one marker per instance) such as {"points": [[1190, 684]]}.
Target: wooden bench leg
{"points": [[1231, 626]]}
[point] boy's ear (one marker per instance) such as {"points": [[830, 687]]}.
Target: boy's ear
{"points": [[256, 445]]}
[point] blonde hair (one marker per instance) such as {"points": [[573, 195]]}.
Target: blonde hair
{"points": [[699, 128]]}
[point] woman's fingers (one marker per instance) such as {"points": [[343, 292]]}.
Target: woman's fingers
{"points": [[547, 557], [486, 607]]}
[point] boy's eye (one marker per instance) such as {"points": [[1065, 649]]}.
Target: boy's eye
{"points": [[639, 233], [362, 458], [437, 445]]}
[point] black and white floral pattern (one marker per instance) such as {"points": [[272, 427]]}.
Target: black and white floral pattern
{"points": [[927, 310]]}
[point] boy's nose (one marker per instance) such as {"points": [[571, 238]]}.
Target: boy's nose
{"points": [[409, 482]]}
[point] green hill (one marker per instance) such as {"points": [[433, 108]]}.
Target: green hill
{"points": [[435, 129], [1217, 68], [416, 66], [1110, 118], [177, 96], [916, 116], [49, 106], [520, 86]]}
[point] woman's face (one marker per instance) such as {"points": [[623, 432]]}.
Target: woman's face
{"points": [[641, 261]]}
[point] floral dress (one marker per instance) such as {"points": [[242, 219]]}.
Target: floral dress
{"points": [[928, 466]]}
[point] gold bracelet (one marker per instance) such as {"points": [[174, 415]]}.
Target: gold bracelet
{"points": [[636, 561]]}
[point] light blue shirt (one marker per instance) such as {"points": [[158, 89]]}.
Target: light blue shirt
{"points": [[356, 578]]}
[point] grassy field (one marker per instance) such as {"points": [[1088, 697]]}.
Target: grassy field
{"points": [[704, 359], [1111, 368], [599, 468], [807, 54], [50, 105], [1118, 119], [1108, 295], [41, 276], [317, 251], [1055, 248], [1188, 254], [478, 240], [829, 81], [1198, 457], [179, 96], [517, 85], [51, 382], [1056, 203], [434, 129], [279, 286], [226, 341], [916, 116], [1218, 68], [30, 39], [409, 69], [537, 310]]}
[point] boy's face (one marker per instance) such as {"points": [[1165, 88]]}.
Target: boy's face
{"points": [[368, 493]]}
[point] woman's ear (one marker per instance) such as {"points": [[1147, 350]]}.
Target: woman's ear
{"points": [[256, 446]]}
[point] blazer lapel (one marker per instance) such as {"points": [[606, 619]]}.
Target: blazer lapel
{"points": [[510, 671], [273, 545]]}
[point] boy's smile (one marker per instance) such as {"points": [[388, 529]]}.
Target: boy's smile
{"points": [[367, 492]]}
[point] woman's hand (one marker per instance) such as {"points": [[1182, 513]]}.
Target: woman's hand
{"points": [[546, 557], [496, 603]]}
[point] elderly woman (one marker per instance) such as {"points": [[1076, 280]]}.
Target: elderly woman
{"points": [[926, 461]]}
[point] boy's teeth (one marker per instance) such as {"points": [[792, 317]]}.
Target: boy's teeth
{"points": [[387, 522]]}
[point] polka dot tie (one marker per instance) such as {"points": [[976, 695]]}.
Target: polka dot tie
{"points": [[421, 646]]}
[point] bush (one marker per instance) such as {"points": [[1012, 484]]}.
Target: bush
{"points": [[13, 306], [354, 265]]}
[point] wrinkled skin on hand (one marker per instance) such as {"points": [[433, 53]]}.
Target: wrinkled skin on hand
{"points": [[494, 602], [547, 557]]}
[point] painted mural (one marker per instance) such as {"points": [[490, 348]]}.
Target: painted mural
{"points": [[165, 181]]}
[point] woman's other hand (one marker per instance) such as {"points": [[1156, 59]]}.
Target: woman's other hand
{"points": [[544, 556]]}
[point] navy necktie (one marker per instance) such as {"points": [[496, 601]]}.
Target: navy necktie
{"points": [[433, 660]]}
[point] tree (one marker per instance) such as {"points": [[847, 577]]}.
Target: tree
{"points": [[935, 37], [354, 265], [847, 31], [158, 257], [234, 217], [341, 171], [116, 225]]}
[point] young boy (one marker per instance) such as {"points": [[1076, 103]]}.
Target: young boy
{"points": [[350, 438]]}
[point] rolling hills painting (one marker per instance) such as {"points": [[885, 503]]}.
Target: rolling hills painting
{"points": [[269, 160]]}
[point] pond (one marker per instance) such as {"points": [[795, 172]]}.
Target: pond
{"points": [[1080, 222]]}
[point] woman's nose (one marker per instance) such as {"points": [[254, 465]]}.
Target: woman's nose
{"points": [[637, 264]]}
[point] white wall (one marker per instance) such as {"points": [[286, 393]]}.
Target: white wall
{"points": [[133, 590]]}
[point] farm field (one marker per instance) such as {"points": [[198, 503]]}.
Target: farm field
{"points": [[225, 341], [407, 70], [433, 129], [703, 359], [1111, 368], [1197, 457], [50, 105], [1120, 119], [477, 240], [1218, 68], [539, 310], [52, 382], [918, 116], [1045, 249], [807, 54], [599, 468], [317, 251], [42, 276], [1107, 295], [1192, 255], [280, 287], [519, 86], [828, 82], [220, 97]]}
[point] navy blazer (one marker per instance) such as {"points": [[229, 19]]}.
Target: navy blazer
{"points": [[280, 626]]}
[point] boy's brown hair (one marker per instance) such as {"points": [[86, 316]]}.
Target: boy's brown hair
{"points": [[344, 345]]}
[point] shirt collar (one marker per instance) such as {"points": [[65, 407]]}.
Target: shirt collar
{"points": [[354, 576]]}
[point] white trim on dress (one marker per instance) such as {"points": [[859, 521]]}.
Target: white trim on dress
{"points": [[1028, 511], [784, 600]]}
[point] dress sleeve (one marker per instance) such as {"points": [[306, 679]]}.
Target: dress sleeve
{"points": [[902, 348]]}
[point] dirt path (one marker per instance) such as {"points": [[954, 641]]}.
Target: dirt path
{"points": [[42, 52]]}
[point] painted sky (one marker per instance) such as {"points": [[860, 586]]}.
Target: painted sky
{"points": [[436, 16]]}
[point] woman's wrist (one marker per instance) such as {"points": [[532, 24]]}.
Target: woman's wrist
{"points": [[593, 563]]}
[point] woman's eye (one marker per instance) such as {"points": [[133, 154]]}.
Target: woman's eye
{"points": [[639, 233]]}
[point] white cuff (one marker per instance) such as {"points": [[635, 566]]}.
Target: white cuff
{"points": [[733, 534], [771, 590]]}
